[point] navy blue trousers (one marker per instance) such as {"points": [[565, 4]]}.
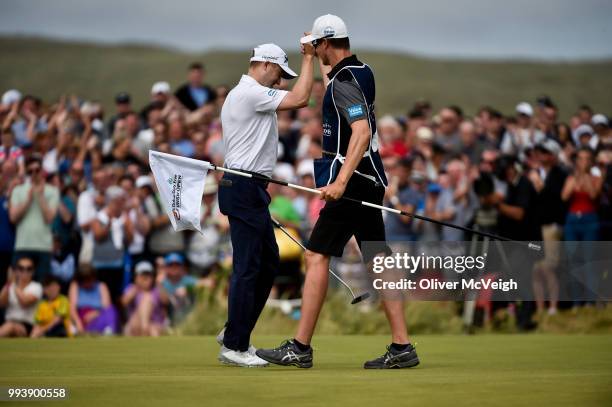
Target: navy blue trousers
{"points": [[255, 256]]}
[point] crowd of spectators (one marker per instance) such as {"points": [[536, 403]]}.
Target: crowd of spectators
{"points": [[86, 245]]}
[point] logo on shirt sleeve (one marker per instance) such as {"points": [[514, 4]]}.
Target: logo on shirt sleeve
{"points": [[272, 92], [355, 111]]}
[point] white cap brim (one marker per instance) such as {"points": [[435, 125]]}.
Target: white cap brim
{"points": [[288, 72], [308, 39], [525, 112]]}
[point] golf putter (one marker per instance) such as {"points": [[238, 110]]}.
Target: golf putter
{"points": [[356, 299], [529, 245]]}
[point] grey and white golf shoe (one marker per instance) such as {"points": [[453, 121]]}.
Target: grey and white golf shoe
{"points": [[287, 354], [394, 359]]}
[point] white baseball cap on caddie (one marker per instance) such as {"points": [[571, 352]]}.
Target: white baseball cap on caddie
{"points": [[327, 26], [274, 54]]}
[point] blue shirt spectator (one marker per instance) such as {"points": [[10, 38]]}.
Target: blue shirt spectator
{"points": [[7, 229], [199, 95], [183, 147], [400, 228]]}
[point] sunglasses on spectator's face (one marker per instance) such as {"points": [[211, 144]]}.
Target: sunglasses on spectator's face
{"points": [[34, 170], [24, 268]]}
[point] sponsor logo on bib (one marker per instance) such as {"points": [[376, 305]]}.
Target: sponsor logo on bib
{"points": [[355, 111]]}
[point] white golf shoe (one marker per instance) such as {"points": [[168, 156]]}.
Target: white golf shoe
{"points": [[252, 349], [243, 359]]}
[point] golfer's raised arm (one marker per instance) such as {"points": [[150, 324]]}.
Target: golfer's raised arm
{"points": [[300, 94]]}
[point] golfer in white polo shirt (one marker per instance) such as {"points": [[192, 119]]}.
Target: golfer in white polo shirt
{"points": [[250, 137]]}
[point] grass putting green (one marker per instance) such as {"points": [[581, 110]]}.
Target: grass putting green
{"points": [[492, 370]]}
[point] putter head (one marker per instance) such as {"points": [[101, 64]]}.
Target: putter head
{"points": [[360, 298]]}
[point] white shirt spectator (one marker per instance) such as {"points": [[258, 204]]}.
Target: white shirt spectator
{"points": [[144, 141], [49, 162], [86, 207], [15, 311], [86, 213], [116, 229], [137, 245], [515, 143]]}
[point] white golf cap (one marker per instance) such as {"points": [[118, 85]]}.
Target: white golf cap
{"points": [[11, 96], [160, 87], [600, 120], [274, 54], [114, 192], [583, 129], [143, 267], [549, 145], [143, 181], [524, 108], [90, 108], [305, 167], [284, 172], [424, 133], [327, 26], [388, 121]]}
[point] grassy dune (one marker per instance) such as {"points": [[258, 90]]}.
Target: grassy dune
{"points": [[49, 68]]}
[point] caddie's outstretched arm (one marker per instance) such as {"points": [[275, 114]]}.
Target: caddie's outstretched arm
{"points": [[300, 94]]}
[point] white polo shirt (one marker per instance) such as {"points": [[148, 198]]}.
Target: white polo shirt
{"points": [[250, 129]]}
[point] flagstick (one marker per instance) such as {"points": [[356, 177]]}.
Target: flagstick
{"points": [[529, 245]]}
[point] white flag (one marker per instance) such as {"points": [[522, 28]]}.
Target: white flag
{"points": [[180, 182]]}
